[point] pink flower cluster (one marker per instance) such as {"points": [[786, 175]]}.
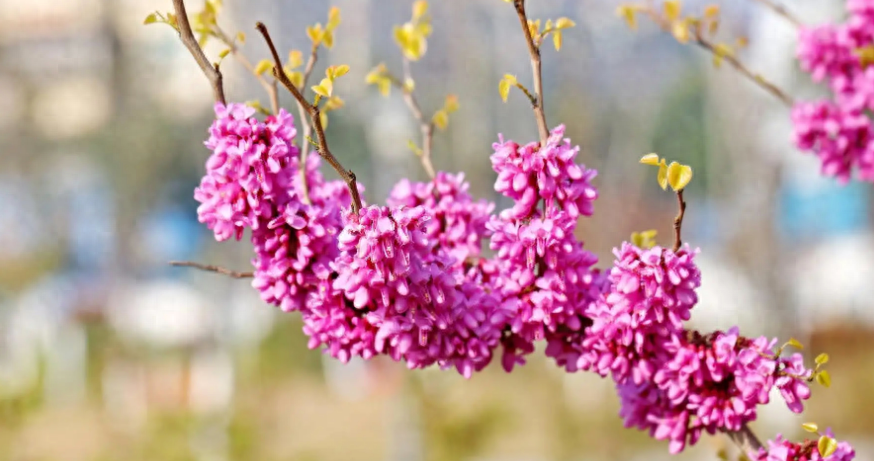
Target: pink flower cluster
{"points": [[458, 224], [781, 449], [839, 131], [545, 277], [409, 281]]}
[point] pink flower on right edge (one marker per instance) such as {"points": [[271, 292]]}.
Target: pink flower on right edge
{"points": [[781, 449]]}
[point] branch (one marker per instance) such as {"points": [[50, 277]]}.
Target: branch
{"points": [[211, 72], [706, 44], [740, 67], [211, 268], [307, 127], [269, 87], [534, 51], [313, 111], [426, 127], [781, 11], [746, 440], [678, 221]]}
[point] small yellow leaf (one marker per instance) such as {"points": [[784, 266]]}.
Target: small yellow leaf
{"points": [[384, 86], [151, 19], [534, 27], [328, 39], [375, 75], [323, 117], [241, 37], [795, 343], [564, 23], [556, 40], [224, 53], [295, 59], [628, 13], [810, 427], [333, 18], [644, 240], [296, 78], [338, 71], [324, 88], [504, 89], [511, 79], [334, 103], [419, 9], [824, 378], [662, 177], [679, 176], [263, 66], [441, 119], [680, 31], [712, 27], [650, 159], [451, 104], [821, 359], [413, 147], [826, 446], [315, 33], [711, 11], [672, 9], [722, 454], [171, 19]]}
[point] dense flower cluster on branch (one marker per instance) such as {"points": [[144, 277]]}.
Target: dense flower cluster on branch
{"points": [[412, 280], [839, 130]]}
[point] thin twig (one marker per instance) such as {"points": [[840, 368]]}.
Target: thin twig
{"points": [[678, 221], [781, 11], [426, 127], [746, 72], [212, 268], [746, 440], [269, 87], [534, 51], [212, 73], [313, 111], [307, 126], [710, 47]]}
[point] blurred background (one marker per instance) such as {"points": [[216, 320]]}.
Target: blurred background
{"points": [[107, 353]]}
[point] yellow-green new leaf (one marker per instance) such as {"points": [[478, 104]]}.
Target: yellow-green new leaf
{"points": [[295, 59], [679, 176], [324, 88], [722, 454], [650, 159], [333, 18], [384, 86], [263, 66], [564, 23], [296, 78], [629, 14], [711, 11], [795, 343], [451, 104], [334, 103], [824, 378], [328, 39], [224, 53], [810, 427], [337, 71], [413, 147], [419, 9], [504, 89], [680, 31], [663, 175], [441, 119], [556, 40], [241, 37], [826, 446], [323, 117], [821, 359], [672, 9], [315, 33], [151, 19]]}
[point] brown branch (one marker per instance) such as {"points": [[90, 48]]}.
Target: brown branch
{"points": [[313, 111], [269, 87], [307, 126], [534, 51], [211, 268], [781, 11], [426, 127], [710, 47], [211, 72], [678, 221], [746, 72], [746, 440]]}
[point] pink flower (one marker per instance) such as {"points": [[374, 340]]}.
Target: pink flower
{"points": [[843, 140], [250, 170], [781, 449], [459, 223]]}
